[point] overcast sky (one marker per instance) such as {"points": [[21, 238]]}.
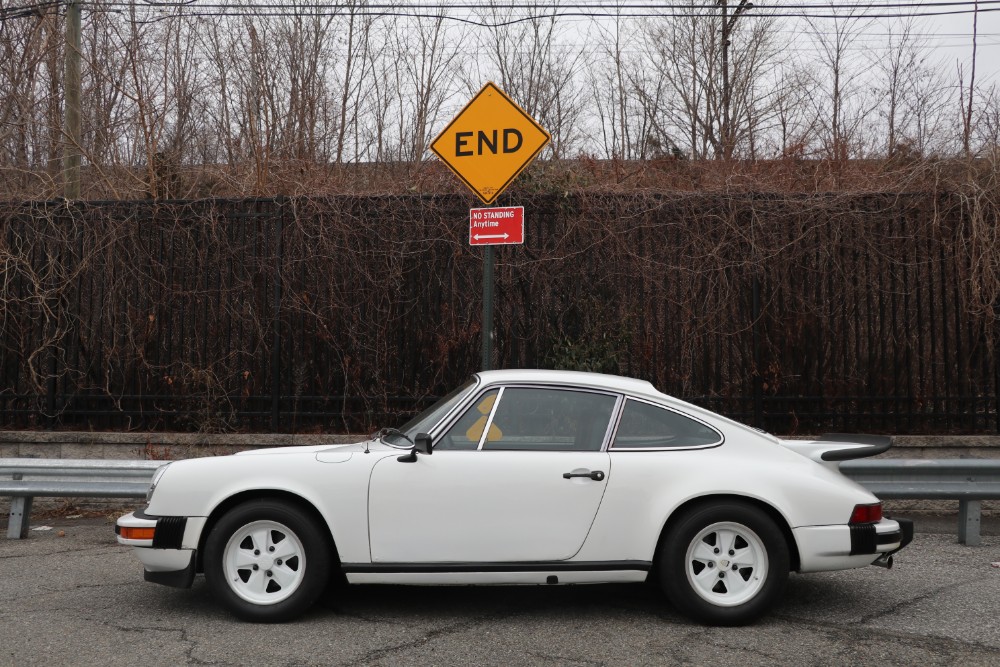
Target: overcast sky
{"points": [[947, 24]]}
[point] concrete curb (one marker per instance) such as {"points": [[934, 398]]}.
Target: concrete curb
{"points": [[116, 445]]}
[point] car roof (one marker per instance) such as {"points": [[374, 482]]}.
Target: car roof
{"points": [[616, 383], [596, 380]]}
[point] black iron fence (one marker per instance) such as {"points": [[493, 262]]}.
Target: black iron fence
{"points": [[796, 314]]}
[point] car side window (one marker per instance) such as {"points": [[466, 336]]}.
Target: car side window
{"points": [[467, 431], [647, 426], [543, 419]]}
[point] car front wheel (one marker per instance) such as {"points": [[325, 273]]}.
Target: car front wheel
{"points": [[266, 561], [724, 564]]}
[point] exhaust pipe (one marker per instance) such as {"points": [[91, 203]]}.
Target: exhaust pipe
{"points": [[884, 560]]}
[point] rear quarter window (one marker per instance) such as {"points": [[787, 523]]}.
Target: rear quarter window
{"points": [[647, 426]]}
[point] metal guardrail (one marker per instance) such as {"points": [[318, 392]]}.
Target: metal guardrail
{"points": [[969, 481], [27, 479]]}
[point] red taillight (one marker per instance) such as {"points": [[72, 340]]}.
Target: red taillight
{"points": [[867, 513]]}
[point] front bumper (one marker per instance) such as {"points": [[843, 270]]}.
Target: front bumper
{"points": [[166, 547]]}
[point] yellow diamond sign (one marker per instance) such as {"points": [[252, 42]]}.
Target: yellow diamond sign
{"points": [[490, 142]]}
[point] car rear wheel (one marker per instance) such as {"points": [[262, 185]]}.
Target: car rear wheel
{"points": [[267, 561], [724, 564]]}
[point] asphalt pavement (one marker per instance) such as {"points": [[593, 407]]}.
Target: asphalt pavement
{"points": [[79, 599]]}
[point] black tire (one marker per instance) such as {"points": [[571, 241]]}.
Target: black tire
{"points": [[724, 563], [267, 561]]}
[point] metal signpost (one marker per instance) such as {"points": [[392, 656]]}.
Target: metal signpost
{"points": [[487, 145]]}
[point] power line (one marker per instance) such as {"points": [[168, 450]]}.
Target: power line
{"points": [[474, 17], [602, 5], [559, 9], [599, 9], [486, 16]]}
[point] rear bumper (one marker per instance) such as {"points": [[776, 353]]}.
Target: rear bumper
{"points": [[906, 530], [867, 539], [823, 548]]}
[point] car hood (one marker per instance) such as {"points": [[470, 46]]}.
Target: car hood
{"points": [[303, 449]]}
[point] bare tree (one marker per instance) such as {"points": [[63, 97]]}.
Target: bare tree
{"points": [[261, 101], [381, 97], [427, 75], [988, 128], [30, 99], [910, 92], [715, 63], [842, 106], [900, 58], [528, 59], [357, 68], [302, 41], [795, 120], [624, 107]]}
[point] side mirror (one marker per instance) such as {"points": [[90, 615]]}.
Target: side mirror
{"points": [[421, 444]]}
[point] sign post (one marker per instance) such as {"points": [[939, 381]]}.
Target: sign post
{"points": [[487, 145], [488, 332], [490, 227]]}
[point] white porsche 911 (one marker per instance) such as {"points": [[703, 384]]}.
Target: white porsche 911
{"points": [[521, 477]]}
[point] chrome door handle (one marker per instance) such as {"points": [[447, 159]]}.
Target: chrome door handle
{"points": [[597, 475]]}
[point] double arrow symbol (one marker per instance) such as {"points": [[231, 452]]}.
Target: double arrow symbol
{"points": [[503, 236]]}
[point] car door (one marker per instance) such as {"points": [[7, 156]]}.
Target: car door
{"points": [[519, 477]]}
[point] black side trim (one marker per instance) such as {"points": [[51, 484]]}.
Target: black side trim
{"points": [[530, 566], [169, 532], [176, 579], [873, 446], [863, 538]]}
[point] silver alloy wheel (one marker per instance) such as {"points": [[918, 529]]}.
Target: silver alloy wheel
{"points": [[264, 562], [726, 564]]}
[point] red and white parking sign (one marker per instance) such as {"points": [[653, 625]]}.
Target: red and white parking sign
{"points": [[502, 225]]}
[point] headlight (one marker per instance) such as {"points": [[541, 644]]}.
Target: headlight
{"points": [[156, 478]]}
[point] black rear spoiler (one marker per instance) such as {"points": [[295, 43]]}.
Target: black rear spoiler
{"points": [[859, 446]]}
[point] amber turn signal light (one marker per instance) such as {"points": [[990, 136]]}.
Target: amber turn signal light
{"points": [[137, 533]]}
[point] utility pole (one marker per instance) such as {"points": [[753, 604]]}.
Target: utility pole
{"points": [[967, 120], [728, 148], [728, 143], [71, 125]]}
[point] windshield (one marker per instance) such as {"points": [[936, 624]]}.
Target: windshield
{"points": [[426, 420]]}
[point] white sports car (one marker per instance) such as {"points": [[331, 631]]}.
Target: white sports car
{"points": [[521, 477]]}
